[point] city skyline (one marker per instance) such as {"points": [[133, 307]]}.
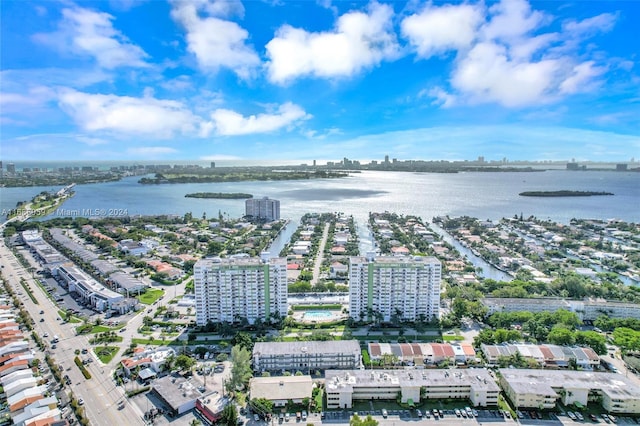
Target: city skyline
{"points": [[226, 80]]}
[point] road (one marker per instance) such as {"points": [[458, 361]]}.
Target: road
{"points": [[99, 393], [320, 256]]}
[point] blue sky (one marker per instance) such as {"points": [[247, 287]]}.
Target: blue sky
{"points": [[215, 80]]}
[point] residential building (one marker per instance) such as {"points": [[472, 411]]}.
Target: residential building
{"points": [[541, 389], [154, 359], [230, 289], [423, 353], [263, 208], [552, 356], [343, 387], [281, 390], [306, 356], [588, 309], [402, 287]]}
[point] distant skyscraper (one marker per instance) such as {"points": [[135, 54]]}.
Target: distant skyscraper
{"points": [[11, 168], [213, 164], [386, 159], [263, 208], [230, 289], [406, 286]]}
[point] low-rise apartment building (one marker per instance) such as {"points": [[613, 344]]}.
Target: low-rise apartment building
{"points": [[552, 356], [587, 310], [343, 387], [543, 388], [306, 356]]}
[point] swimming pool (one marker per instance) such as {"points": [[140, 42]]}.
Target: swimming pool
{"points": [[317, 315]]}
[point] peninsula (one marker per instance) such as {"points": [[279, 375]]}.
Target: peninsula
{"points": [[563, 193], [235, 175], [223, 195]]}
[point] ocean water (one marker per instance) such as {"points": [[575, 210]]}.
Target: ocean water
{"points": [[480, 194]]}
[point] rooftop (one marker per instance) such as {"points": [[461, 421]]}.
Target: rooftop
{"points": [[281, 388], [312, 347], [479, 379], [540, 381]]}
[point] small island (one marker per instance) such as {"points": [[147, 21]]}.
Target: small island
{"points": [[223, 195], [563, 193]]}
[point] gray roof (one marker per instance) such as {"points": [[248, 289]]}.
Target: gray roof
{"points": [[103, 266], [478, 379], [176, 391], [540, 381], [315, 347], [126, 281]]}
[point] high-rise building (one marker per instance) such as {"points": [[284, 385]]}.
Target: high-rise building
{"points": [[11, 168], [230, 289], [388, 287], [263, 208]]}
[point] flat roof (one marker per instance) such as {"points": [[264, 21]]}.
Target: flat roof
{"points": [[176, 391], [281, 388], [540, 381], [311, 347], [477, 378]]}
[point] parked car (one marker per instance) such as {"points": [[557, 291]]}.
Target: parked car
{"points": [[384, 413]]}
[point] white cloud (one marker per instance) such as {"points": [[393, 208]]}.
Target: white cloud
{"points": [[181, 83], [230, 123], [487, 74], [87, 140], [359, 40], [504, 55], [128, 115], [441, 97], [216, 43], [582, 78], [511, 19], [438, 29], [88, 33], [219, 157], [148, 151], [600, 23]]}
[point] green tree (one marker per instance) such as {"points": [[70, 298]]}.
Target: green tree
{"points": [[241, 368], [560, 335], [229, 415], [367, 421], [184, 362], [243, 339], [595, 341]]}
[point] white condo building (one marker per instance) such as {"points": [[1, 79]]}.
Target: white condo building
{"points": [[227, 289], [263, 208], [407, 286]]}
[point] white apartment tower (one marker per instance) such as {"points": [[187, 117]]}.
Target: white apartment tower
{"points": [[229, 289], [263, 208], [383, 287]]}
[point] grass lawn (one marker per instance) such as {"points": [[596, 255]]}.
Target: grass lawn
{"points": [[156, 342], [150, 296], [450, 338], [106, 353], [93, 330], [318, 400]]}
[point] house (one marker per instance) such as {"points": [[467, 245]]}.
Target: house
{"points": [[338, 270]]}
